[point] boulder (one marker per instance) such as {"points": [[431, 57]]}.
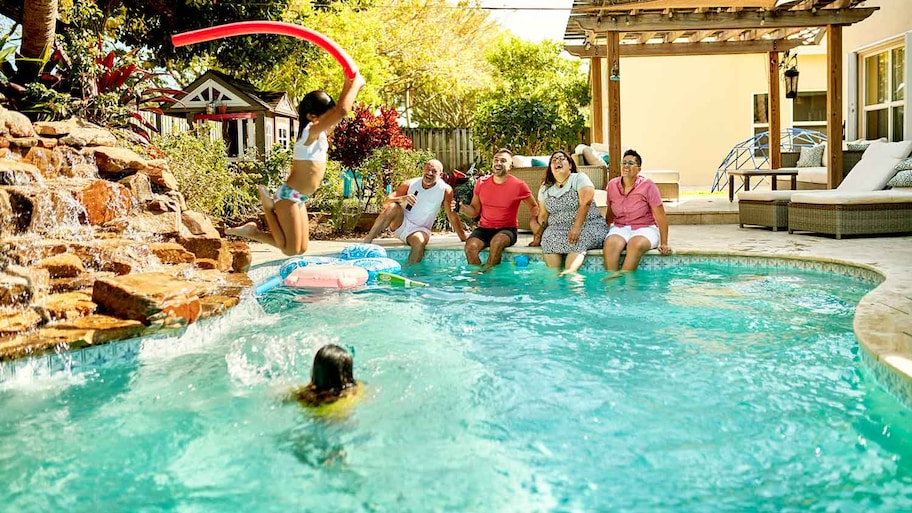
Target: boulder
{"points": [[171, 253], [209, 247], [74, 334], [66, 265], [18, 173], [18, 320], [240, 256], [161, 175], [115, 161], [166, 224], [84, 281], [150, 298], [45, 160], [77, 132], [15, 124], [104, 201], [67, 305], [139, 185], [199, 224]]}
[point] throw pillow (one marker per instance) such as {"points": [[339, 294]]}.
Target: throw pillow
{"points": [[904, 165], [862, 144], [902, 179], [522, 161], [539, 163], [810, 156], [607, 159], [591, 157]]}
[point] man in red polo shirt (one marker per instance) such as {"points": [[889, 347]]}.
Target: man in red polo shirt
{"points": [[497, 198], [636, 217]]}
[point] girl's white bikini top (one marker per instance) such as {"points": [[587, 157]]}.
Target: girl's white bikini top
{"points": [[315, 151]]}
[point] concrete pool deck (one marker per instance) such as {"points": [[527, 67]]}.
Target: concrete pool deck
{"points": [[883, 319]]}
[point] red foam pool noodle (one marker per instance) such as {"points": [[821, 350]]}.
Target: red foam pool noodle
{"points": [[243, 28]]}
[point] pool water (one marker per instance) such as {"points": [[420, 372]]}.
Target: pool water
{"points": [[698, 387]]}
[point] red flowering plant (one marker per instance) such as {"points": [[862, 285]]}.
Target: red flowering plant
{"points": [[373, 152]]}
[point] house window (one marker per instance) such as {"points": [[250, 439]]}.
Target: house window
{"points": [[809, 111], [282, 137], [884, 93]]}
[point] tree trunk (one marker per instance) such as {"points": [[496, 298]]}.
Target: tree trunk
{"points": [[39, 21]]}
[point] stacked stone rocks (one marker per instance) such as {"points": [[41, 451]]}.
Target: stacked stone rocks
{"points": [[97, 244]]}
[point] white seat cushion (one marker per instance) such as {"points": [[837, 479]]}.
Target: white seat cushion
{"points": [[852, 198], [876, 167], [812, 175]]}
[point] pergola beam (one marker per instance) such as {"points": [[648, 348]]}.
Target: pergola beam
{"points": [[670, 49], [648, 22]]}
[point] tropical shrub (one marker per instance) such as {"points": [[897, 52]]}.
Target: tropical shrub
{"points": [[387, 166], [205, 177], [357, 136]]}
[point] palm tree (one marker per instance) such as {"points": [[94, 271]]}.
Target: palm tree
{"points": [[39, 23]]}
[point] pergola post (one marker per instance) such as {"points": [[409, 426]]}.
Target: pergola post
{"points": [[614, 104], [773, 114], [834, 105], [597, 134]]}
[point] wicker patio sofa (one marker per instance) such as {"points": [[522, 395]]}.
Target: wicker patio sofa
{"points": [[855, 213], [862, 186], [533, 177]]}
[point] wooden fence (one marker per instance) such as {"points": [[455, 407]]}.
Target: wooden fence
{"points": [[452, 146]]}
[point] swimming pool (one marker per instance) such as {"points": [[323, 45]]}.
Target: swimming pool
{"points": [[699, 386]]}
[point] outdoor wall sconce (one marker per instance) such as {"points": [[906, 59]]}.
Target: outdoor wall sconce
{"points": [[790, 75], [615, 73]]}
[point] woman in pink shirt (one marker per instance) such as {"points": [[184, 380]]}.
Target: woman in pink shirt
{"points": [[636, 217]]}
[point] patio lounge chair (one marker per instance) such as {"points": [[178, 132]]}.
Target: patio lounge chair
{"points": [[862, 189]]}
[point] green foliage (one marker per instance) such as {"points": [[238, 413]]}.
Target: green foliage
{"points": [[538, 104], [328, 197], [272, 170], [142, 23], [389, 165], [205, 177], [43, 104]]}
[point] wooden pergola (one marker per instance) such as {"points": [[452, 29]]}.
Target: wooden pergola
{"points": [[610, 29]]}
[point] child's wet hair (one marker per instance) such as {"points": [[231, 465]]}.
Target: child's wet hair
{"points": [[332, 369]]}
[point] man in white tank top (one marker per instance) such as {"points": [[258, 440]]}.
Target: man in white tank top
{"points": [[410, 211]]}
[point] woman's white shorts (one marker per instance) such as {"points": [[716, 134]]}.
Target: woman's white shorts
{"points": [[650, 232]]}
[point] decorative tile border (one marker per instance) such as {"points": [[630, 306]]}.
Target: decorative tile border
{"points": [[127, 351], [899, 386]]}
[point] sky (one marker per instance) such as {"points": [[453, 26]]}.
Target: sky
{"points": [[533, 20]]}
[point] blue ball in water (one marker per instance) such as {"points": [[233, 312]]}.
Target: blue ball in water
{"points": [[520, 260]]}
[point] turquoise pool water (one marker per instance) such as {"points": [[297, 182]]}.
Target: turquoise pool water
{"points": [[698, 387]]}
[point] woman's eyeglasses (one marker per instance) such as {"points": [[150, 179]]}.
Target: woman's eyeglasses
{"points": [[558, 158], [631, 163]]}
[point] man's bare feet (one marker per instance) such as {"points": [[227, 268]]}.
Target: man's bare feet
{"points": [[265, 198], [245, 230]]}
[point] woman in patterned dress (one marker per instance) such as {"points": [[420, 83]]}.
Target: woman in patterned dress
{"points": [[573, 225]]}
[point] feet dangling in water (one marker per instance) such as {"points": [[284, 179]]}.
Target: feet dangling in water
{"points": [[536, 242], [245, 230]]}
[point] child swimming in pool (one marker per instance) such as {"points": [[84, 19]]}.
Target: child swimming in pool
{"points": [[285, 210], [332, 381]]}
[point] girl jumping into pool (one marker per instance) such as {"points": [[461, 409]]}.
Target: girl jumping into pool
{"points": [[286, 211], [332, 380]]}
